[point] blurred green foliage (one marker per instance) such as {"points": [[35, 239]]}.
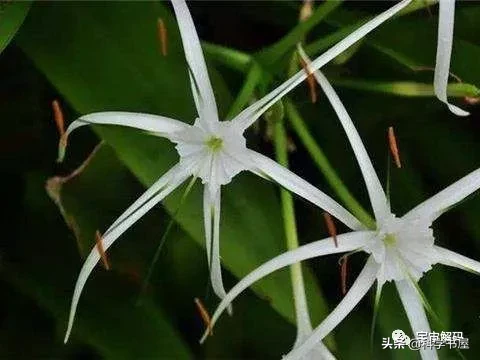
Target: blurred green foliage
{"points": [[105, 56]]}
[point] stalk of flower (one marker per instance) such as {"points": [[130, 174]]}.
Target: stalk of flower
{"points": [[444, 52], [401, 249], [212, 150], [302, 314]]}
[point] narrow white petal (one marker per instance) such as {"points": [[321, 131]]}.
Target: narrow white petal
{"points": [[319, 352], [207, 221], [196, 62], [302, 188], [159, 125], [173, 181], [358, 290], [444, 53], [195, 94], [248, 116], [451, 258], [216, 269], [377, 196], [346, 242], [432, 208], [413, 306], [153, 190]]}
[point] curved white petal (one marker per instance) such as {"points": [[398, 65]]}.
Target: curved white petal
{"points": [[451, 258], [207, 221], [358, 290], [174, 179], [248, 116], [319, 352], [196, 62], [377, 196], [215, 265], [444, 53], [297, 185], [432, 208], [153, 190], [160, 125], [346, 242], [413, 306]]}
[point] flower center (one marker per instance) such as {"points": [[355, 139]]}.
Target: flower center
{"points": [[215, 154], [403, 249], [214, 143], [390, 240]]}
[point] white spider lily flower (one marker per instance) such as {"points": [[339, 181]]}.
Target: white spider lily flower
{"points": [[444, 52], [401, 249], [212, 150]]}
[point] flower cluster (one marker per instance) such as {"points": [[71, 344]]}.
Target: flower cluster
{"points": [[400, 249]]}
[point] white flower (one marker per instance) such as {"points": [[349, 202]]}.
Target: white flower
{"points": [[402, 248], [444, 51], [210, 149]]}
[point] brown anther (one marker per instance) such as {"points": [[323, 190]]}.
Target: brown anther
{"points": [[332, 229], [470, 100], [312, 84], [59, 119], [306, 10], [343, 273], [392, 142], [162, 36], [204, 315], [101, 250]]}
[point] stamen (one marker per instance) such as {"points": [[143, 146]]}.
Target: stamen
{"points": [[101, 250], [306, 10], [58, 117], [204, 315], [470, 100], [312, 84], [60, 122], [332, 229], [343, 273], [392, 142], [162, 36]]}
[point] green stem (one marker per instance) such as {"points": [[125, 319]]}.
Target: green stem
{"points": [[407, 88], [251, 81], [290, 226], [232, 58], [325, 167], [275, 52]]}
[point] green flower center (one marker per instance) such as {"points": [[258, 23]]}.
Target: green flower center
{"points": [[214, 143], [390, 240]]}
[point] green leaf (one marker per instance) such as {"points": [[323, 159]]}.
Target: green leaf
{"points": [[12, 14], [113, 64]]}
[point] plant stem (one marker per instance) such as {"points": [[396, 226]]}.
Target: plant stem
{"points": [[288, 211], [231, 58]]}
